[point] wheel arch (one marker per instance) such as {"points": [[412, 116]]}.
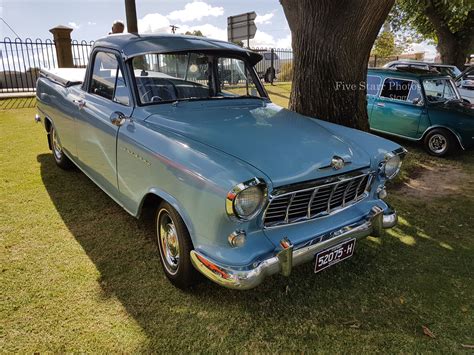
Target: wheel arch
{"points": [[155, 196], [452, 131]]}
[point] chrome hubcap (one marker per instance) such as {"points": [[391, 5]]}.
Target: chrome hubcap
{"points": [[169, 243], [437, 143], [57, 150]]}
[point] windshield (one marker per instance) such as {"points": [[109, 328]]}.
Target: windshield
{"points": [[440, 90], [451, 71], [193, 76]]}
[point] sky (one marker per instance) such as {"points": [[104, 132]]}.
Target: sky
{"points": [[93, 19]]}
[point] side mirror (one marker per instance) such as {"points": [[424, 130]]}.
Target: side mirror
{"points": [[417, 101]]}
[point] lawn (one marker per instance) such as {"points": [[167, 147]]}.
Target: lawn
{"points": [[78, 274]]}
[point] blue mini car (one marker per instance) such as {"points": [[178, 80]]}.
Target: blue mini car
{"points": [[240, 188], [421, 106]]}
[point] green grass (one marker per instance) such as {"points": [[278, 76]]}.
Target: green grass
{"points": [[18, 102], [79, 274]]}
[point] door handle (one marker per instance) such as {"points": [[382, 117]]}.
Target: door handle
{"points": [[118, 118], [80, 103], [380, 104]]}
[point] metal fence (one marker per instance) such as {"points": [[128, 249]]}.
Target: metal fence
{"points": [[21, 61], [80, 52], [276, 64]]}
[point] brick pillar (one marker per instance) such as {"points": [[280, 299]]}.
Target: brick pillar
{"points": [[62, 41]]}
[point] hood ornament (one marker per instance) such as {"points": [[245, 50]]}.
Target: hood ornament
{"points": [[337, 163]]}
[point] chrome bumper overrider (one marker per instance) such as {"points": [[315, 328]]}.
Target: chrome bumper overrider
{"points": [[288, 256]]}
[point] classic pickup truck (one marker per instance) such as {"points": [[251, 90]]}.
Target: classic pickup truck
{"points": [[240, 188]]}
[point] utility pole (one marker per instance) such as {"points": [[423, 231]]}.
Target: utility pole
{"points": [[131, 14], [173, 28]]}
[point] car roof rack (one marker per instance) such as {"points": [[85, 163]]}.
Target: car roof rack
{"points": [[416, 70]]}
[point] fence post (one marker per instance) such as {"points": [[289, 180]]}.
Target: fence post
{"points": [[272, 65], [375, 61], [62, 41]]}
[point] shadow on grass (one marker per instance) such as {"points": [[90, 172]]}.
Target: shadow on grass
{"points": [[18, 102], [301, 312]]}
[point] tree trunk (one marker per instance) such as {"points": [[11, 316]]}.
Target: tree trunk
{"points": [[453, 47], [452, 51], [331, 42]]}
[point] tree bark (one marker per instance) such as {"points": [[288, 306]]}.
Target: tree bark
{"points": [[331, 42], [452, 51]]}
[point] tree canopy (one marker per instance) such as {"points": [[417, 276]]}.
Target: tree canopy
{"points": [[194, 33], [447, 23]]}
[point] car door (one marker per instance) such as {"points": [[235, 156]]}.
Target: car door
{"points": [[374, 84], [107, 97], [398, 108]]}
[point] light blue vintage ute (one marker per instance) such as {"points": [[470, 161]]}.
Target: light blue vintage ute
{"points": [[240, 188]]}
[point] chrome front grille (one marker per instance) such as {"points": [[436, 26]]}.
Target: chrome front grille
{"points": [[319, 199]]}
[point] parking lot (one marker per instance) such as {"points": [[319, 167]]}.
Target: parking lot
{"points": [[80, 273]]}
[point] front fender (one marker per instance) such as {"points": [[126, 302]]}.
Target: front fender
{"points": [[194, 179], [163, 195]]}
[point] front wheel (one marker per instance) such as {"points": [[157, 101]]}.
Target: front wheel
{"points": [[59, 157], [174, 244], [440, 142]]}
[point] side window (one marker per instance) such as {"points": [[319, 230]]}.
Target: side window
{"points": [[373, 84], [415, 96], [107, 79], [396, 89]]}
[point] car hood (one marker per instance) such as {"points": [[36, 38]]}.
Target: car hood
{"points": [[285, 146]]}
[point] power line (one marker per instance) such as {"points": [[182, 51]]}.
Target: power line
{"points": [[10, 27]]}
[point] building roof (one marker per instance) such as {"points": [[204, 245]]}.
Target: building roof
{"points": [[407, 73], [132, 45]]}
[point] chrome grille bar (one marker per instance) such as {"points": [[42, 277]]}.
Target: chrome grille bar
{"points": [[290, 206], [311, 202], [346, 191], [330, 197]]}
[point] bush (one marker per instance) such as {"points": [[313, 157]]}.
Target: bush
{"points": [[286, 72]]}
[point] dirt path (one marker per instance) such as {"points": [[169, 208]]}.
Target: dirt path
{"points": [[438, 180]]}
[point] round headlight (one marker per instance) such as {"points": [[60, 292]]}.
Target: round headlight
{"points": [[246, 200], [392, 166]]}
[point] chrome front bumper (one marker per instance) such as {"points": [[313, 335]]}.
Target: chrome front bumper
{"points": [[288, 256]]}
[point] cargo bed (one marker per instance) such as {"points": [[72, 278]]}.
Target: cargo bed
{"points": [[65, 76]]}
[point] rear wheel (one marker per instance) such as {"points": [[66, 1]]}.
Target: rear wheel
{"points": [[440, 142], [175, 245], [59, 157]]}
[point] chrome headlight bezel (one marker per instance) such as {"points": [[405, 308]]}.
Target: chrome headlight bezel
{"points": [[236, 190], [397, 155]]}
